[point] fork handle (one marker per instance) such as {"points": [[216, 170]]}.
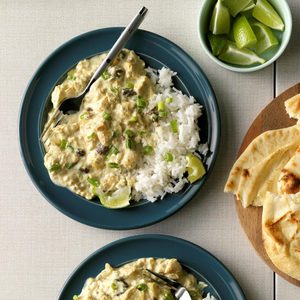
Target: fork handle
{"points": [[119, 44]]}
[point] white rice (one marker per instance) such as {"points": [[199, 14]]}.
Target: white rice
{"points": [[157, 177], [209, 297]]}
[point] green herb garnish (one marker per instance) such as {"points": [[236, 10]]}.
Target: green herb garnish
{"points": [[92, 135], [129, 133], [84, 116], [147, 150], [168, 157], [142, 287], [113, 165], [114, 286], [55, 167], [70, 165], [174, 126], [63, 144], [93, 181], [106, 116], [169, 100], [129, 143], [141, 102], [105, 75]]}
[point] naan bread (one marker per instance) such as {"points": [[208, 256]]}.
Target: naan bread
{"points": [[263, 177], [292, 107], [281, 232], [263, 149], [289, 179]]}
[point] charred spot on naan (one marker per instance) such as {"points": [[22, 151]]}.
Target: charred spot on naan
{"points": [[291, 182], [246, 173], [274, 230]]}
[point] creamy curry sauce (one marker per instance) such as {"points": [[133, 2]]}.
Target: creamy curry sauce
{"points": [[103, 143], [133, 282]]}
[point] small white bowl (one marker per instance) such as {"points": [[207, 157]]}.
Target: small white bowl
{"points": [[281, 7]]}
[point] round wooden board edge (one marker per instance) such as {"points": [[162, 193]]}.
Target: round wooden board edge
{"points": [[263, 122]]}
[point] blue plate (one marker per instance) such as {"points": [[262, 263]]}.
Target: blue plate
{"points": [[157, 52], [195, 259]]}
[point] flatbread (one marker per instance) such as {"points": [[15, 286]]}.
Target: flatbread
{"points": [[281, 232], [292, 107], [259, 149], [289, 179], [263, 177]]}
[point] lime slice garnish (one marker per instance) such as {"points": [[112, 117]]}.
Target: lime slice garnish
{"points": [[217, 43], [195, 167], [118, 199], [249, 6], [220, 20], [266, 39], [265, 13], [243, 33], [236, 6], [232, 54]]}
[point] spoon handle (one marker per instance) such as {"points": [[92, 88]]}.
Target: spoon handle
{"points": [[119, 44]]}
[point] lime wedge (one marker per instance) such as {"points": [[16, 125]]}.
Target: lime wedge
{"points": [[266, 39], [217, 43], [236, 6], [118, 199], [195, 167], [249, 6], [233, 55], [220, 20], [265, 13], [243, 33]]}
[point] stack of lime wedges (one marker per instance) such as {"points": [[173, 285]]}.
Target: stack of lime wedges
{"points": [[243, 32]]}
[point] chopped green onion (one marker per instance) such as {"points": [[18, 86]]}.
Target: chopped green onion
{"points": [[70, 165], [93, 181], [161, 106], [106, 116], [162, 114], [55, 167], [75, 297], [105, 75], [130, 85], [115, 134], [134, 118], [113, 150], [142, 287], [114, 286], [129, 133], [92, 135], [63, 144], [174, 126], [169, 100], [147, 150], [84, 116], [113, 165], [114, 90], [142, 133], [168, 157], [141, 102], [129, 143], [71, 77]]}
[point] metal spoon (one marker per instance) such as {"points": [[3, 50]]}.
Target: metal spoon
{"points": [[180, 291], [72, 105]]}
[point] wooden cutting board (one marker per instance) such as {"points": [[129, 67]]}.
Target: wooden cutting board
{"points": [[273, 116]]}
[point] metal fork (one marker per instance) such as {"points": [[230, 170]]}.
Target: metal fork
{"points": [[180, 291], [72, 105]]}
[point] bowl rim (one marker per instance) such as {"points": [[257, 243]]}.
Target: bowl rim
{"points": [[281, 49]]}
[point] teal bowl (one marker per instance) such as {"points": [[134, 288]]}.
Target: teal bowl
{"points": [[283, 10]]}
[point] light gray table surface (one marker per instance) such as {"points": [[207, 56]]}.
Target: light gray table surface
{"points": [[40, 246]]}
